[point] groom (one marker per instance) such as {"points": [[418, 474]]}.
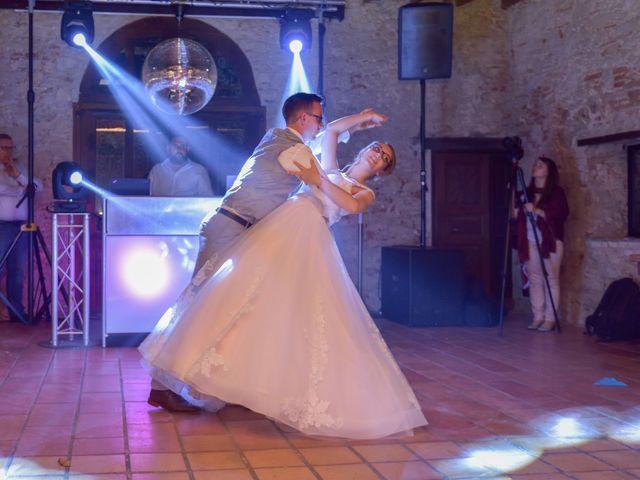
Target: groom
{"points": [[264, 183]]}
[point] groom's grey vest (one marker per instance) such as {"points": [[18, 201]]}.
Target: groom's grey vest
{"points": [[263, 184]]}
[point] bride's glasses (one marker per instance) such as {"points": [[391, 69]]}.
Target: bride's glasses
{"points": [[376, 147]]}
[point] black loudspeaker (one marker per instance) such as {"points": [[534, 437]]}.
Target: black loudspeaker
{"points": [[425, 41], [423, 286]]}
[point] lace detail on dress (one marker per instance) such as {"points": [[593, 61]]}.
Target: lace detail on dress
{"points": [[211, 359], [310, 410]]}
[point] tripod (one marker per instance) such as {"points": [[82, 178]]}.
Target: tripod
{"points": [[35, 243], [513, 145]]}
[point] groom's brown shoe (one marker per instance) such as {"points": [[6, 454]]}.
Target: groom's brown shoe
{"points": [[170, 401]]}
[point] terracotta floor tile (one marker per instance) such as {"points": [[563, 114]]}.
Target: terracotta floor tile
{"points": [[208, 443], [544, 476], [602, 445], [52, 414], [273, 458], [435, 450], [575, 462], [157, 462], [98, 464], [159, 437], [223, 475], [329, 455], [199, 424], [346, 472], [57, 393], [385, 453], [12, 426], [407, 471], [97, 446], [286, 473], [161, 476], [302, 441], [613, 475], [101, 383], [43, 442], [622, 459], [257, 435], [99, 425], [99, 476], [7, 447], [215, 460]]}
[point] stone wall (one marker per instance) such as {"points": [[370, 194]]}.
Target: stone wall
{"points": [[575, 74], [550, 72]]}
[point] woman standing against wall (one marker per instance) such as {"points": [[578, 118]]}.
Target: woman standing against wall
{"points": [[548, 205]]}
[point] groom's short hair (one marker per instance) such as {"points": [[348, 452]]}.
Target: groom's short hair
{"points": [[299, 102]]}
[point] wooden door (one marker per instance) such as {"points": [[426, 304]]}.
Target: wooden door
{"points": [[470, 210]]}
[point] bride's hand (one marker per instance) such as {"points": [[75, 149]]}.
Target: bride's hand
{"points": [[371, 119]]}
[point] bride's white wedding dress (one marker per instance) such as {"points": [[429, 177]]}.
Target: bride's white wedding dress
{"points": [[275, 324]]}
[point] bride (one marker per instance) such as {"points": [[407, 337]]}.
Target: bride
{"points": [[274, 323]]}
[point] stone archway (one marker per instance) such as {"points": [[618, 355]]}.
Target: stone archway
{"points": [[105, 142], [107, 146]]}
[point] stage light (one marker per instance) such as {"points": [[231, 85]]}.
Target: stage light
{"points": [[79, 39], [77, 23], [67, 188], [75, 178], [295, 30], [295, 46]]}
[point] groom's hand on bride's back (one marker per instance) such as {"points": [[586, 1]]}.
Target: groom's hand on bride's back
{"points": [[310, 175]]}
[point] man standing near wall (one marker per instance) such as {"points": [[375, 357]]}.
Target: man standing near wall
{"points": [[13, 183]]}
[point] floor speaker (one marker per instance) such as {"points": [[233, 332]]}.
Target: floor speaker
{"points": [[422, 286], [425, 41]]}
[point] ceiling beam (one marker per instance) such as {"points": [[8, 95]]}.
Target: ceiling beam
{"points": [[189, 9]]}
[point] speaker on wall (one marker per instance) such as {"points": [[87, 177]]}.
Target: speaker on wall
{"points": [[422, 286], [425, 41]]}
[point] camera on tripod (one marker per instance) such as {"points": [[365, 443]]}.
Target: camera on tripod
{"points": [[513, 146]]}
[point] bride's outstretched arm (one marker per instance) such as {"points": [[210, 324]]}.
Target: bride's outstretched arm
{"points": [[352, 123]]}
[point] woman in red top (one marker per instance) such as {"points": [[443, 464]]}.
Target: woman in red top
{"points": [[548, 204]]}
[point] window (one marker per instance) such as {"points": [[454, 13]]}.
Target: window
{"points": [[108, 146]]}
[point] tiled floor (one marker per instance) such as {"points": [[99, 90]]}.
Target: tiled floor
{"points": [[520, 406]]}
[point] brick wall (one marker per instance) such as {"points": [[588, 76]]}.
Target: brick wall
{"points": [[550, 72]]}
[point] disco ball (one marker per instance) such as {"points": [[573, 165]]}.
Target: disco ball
{"points": [[180, 76]]}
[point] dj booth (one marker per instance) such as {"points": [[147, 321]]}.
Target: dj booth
{"points": [[150, 245]]}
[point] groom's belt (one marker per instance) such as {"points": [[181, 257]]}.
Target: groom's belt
{"points": [[234, 217]]}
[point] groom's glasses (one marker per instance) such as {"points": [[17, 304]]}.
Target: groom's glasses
{"points": [[319, 118]]}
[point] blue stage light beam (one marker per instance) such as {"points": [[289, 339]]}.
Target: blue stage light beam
{"points": [[134, 100], [297, 81]]}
